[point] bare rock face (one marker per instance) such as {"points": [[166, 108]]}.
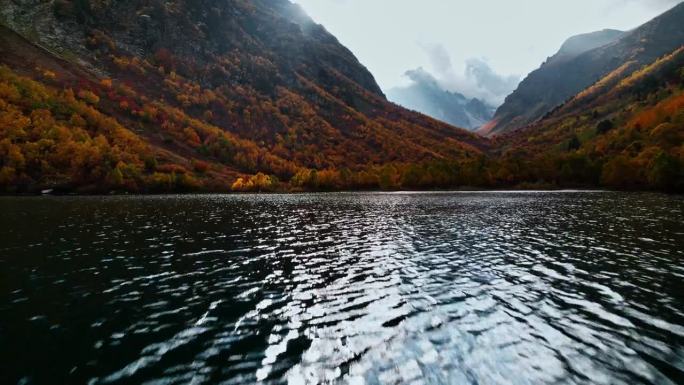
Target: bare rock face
{"points": [[35, 20]]}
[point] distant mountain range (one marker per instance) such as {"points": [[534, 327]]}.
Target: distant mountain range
{"points": [[425, 95], [582, 61]]}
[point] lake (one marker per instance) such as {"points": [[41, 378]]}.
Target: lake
{"points": [[359, 288]]}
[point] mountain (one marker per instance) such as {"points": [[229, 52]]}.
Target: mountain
{"points": [[580, 44], [152, 95], [174, 96], [626, 132], [427, 96], [573, 69]]}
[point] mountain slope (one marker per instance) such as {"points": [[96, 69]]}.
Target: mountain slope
{"points": [[626, 131], [580, 44], [426, 96], [561, 78], [213, 90], [166, 96]]}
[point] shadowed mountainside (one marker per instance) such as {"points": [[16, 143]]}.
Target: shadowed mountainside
{"points": [[572, 69], [626, 131]]}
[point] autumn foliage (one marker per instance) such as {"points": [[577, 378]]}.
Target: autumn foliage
{"points": [[242, 118], [625, 134]]}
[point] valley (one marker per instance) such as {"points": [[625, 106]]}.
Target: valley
{"points": [[100, 97]]}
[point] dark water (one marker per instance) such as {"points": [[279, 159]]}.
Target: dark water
{"points": [[472, 288]]}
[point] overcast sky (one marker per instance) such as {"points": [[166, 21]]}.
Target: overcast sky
{"points": [[441, 36]]}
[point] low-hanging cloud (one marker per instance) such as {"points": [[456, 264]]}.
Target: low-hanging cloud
{"points": [[488, 80], [478, 80], [422, 77]]}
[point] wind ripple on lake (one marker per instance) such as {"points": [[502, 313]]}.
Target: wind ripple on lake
{"points": [[494, 288]]}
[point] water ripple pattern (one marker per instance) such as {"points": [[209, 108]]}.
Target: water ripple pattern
{"points": [[442, 288]]}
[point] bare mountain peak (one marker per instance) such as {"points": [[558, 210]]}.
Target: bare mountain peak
{"points": [[588, 41]]}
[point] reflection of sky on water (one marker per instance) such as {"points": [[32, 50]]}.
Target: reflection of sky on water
{"points": [[484, 288]]}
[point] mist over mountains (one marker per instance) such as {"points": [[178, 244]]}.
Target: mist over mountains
{"points": [[467, 99], [428, 96]]}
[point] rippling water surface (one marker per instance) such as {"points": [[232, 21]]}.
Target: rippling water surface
{"points": [[465, 288]]}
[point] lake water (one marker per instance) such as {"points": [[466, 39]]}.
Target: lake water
{"points": [[444, 288]]}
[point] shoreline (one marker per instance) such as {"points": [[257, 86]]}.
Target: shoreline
{"points": [[348, 192]]}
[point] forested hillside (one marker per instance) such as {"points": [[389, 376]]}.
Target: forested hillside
{"points": [[626, 131], [214, 89], [176, 96]]}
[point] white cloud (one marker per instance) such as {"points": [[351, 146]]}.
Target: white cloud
{"points": [[515, 37], [476, 80]]}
